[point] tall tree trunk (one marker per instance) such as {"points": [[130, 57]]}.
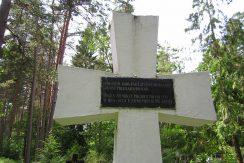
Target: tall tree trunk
{"points": [[43, 115], [13, 112], [64, 35], [2, 127], [30, 113], [4, 11], [39, 118], [54, 99], [61, 50], [2, 123], [236, 144]]}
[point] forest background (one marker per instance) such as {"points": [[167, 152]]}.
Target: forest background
{"points": [[34, 44]]}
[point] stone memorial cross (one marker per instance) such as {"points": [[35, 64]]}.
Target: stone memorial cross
{"points": [[137, 137]]}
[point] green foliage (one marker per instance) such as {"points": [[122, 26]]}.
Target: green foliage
{"points": [[5, 108], [6, 160], [94, 157], [71, 139], [228, 79], [13, 146], [51, 153], [93, 51], [167, 60], [75, 149], [100, 139], [229, 154], [92, 142], [12, 63], [172, 140], [222, 44], [124, 6], [187, 143]]}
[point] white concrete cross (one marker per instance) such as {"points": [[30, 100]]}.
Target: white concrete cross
{"points": [[137, 138]]}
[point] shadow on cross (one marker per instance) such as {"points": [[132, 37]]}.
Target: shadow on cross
{"points": [[75, 159]]}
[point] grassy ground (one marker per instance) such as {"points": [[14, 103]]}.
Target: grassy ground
{"points": [[6, 160]]}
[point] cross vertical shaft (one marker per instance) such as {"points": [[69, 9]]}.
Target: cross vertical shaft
{"points": [[134, 43]]}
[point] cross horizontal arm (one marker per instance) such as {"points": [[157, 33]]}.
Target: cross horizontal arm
{"points": [[79, 98], [194, 104]]}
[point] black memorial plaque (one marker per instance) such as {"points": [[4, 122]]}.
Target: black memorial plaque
{"points": [[137, 92]]}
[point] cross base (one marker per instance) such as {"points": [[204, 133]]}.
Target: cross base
{"points": [[137, 139]]}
